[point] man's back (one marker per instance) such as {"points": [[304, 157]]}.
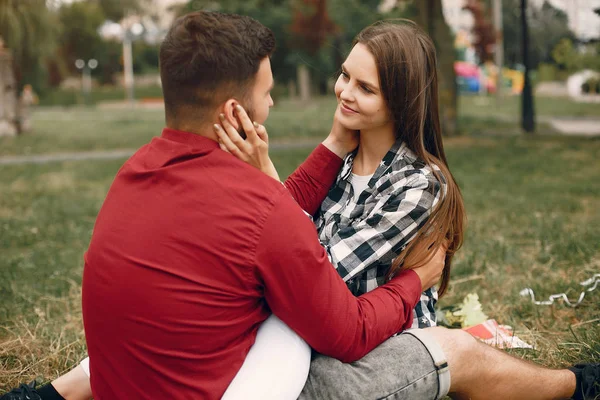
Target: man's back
{"points": [[190, 246], [171, 257]]}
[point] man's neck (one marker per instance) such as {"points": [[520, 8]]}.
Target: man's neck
{"points": [[200, 129]]}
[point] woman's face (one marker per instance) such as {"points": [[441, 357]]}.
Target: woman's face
{"points": [[361, 103]]}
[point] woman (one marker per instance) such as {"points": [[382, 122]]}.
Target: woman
{"points": [[393, 204]]}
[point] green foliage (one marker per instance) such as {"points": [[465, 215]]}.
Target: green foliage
{"points": [[568, 58], [592, 85], [590, 57], [145, 57], [550, 72], [115, 10], [30, 30], [274, 14], [547, 27], [565, 55], [350, 16], [80, 38]]}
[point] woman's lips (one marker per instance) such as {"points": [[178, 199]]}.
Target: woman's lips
{"points": [[347, 110]]}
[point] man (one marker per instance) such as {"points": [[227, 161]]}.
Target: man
{"points": [[193, 249]]}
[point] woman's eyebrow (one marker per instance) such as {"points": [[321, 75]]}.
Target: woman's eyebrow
{"points": [[370, 85]]}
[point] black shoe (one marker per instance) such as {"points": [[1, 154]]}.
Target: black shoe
{"points": [[588, 381], [23, 392]]}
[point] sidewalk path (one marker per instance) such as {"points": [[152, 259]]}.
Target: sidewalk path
{"points": [[119, 154], [576, 126]]}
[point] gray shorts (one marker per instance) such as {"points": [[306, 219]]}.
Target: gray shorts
{"points": [[407, 366]]}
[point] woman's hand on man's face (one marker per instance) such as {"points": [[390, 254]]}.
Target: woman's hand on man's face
{"points": [[254, 150], [341, 140]]}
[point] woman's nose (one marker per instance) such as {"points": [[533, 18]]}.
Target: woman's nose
{"points": [[346, 94]]}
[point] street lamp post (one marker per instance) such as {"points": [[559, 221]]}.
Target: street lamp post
{"points": [[134, 31], [86, 76], [126, 32]]}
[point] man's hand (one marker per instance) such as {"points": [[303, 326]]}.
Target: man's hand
{"points": [[341, 140], [430, 273]]}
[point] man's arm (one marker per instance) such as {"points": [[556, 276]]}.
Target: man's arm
{"points": [[311, 181], [379, 238], [303, 289]]}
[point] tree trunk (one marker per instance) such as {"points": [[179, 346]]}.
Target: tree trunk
{"points": [[304, 83], [431, 18], [8, 95]]}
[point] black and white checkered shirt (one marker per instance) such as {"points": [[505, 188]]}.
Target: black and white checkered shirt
{"points": [[364, 233]]}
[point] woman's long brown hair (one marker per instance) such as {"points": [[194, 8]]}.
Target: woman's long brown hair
{"points": [[407, 68]]}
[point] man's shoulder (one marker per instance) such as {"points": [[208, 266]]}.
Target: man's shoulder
{"points": [[205, 173]]}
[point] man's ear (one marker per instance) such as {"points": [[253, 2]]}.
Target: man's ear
{"points": [[231, 114]]}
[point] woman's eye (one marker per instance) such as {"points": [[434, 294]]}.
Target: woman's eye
{"points": [[366, 89], [345, 75]]}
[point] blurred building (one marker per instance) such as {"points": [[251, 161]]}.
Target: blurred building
{"points": [[163, 12], [583, 21], [456, 17]]}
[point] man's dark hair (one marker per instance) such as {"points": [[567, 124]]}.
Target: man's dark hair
{"points": [[208, 57]]}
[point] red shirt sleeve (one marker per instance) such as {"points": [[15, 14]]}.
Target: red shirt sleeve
{"points": [[310, 183], [304, 290]]}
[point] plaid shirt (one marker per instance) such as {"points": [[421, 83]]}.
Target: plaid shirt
{"points": [[364, 233]]}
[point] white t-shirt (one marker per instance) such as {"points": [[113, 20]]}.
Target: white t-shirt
{"points": [[359, 183]]}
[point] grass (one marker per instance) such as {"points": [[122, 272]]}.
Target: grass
{"points": [[534, 221], [71, 97], [96, 129], [119, 127], [509, 107]]}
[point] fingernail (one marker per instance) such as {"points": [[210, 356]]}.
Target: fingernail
{"points": [[216, 127], [239, 108], [222, 116], [256, 125]]}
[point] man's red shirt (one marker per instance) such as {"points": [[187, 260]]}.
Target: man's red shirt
{"points": [[191, 252]]}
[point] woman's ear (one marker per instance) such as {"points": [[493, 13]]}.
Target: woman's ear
{"points": [[231, 114]]}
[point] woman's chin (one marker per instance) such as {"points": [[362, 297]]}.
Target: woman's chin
{"points": [[347, 121]]}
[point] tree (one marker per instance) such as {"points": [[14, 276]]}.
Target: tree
{"points": [[116, 10], [309, 30], [430, 17], [483, 30], [30, 30], [548, 25], [80, 37], [350, 16], [274, 14], [565, 56]]}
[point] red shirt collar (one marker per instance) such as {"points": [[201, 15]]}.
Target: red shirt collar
{"points": [[192, 139]]}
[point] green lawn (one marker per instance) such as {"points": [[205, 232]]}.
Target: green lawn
{"points": [[86, 129], [534, 221], [509, 107]]}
